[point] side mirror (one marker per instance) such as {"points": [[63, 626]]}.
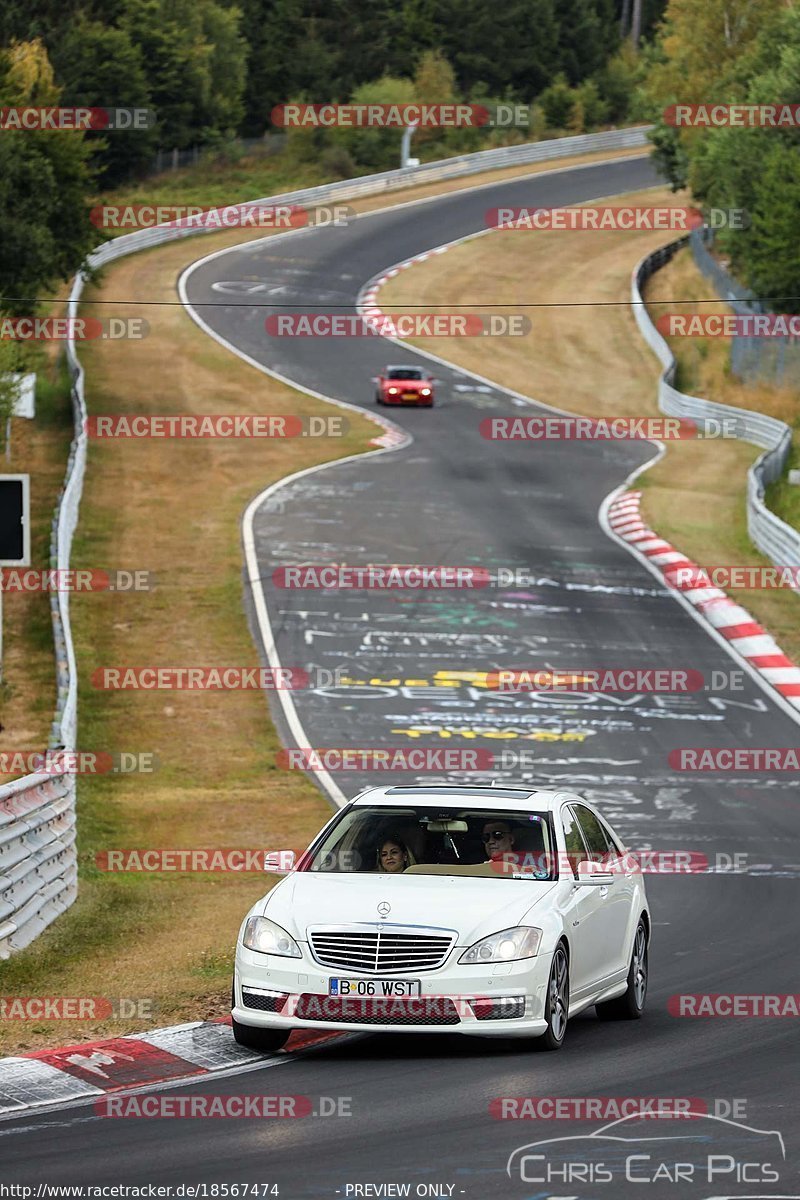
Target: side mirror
{"points": [[279, 862], [590, 876]]}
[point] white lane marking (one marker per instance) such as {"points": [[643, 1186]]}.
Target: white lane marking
{"points": [[262, 614], [403, 439]]}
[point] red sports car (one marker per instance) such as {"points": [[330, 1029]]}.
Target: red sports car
{"points": [[404, 385]]}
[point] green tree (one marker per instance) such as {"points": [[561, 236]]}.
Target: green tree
{"points": [[374, 148], [770, 250], [558, 103], [434, 83], [44, 178], [100, 66]]}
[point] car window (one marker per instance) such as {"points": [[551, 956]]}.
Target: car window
{"points": [[446, 840], [404, 373], [573, 839], [597, 842], [613, 841]]}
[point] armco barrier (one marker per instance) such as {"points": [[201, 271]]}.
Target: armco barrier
{"points": [[769, 533], [37, 813]]}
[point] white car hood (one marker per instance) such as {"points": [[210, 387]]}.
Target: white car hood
{"points": [[473, 907]]}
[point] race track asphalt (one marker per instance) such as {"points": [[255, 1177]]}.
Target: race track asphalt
{"points": [[420, 1105]]}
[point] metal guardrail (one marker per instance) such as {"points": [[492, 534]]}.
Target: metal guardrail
{"points": [[772, 536], [38, 865]]}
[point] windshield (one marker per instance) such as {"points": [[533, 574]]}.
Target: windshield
{"points": [[427, 840], [404, 373]]}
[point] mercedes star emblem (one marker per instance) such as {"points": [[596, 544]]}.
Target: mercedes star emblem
{"points": [[384, 908]]}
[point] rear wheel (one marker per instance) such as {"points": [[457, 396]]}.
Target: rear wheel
{"points": [[264, 1040], [556, 1009], [630, 1005]]}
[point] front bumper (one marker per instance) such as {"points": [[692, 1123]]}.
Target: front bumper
{"points": [[443, 992], [424, 401]]}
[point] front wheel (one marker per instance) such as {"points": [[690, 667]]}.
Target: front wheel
{"points": [[556, 1009], [264, 1040], [630, 1005], [378, 398]]}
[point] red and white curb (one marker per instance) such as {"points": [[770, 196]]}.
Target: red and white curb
{"points": [[178, 1052], [735, 624], [367, 304]]}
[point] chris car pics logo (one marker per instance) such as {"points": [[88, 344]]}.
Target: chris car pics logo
{"points": [[712, 1151]]}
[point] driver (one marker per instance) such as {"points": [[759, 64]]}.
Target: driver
{"points": [[498, 838]]}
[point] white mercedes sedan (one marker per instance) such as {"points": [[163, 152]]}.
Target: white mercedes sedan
{"points": [[491, 911]]}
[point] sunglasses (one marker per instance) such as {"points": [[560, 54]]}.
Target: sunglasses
{"points": [[494, 834]]}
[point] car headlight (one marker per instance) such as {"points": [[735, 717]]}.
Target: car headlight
{"points": [[393, 391], [506, 946], [268, 938], [424, 391]]}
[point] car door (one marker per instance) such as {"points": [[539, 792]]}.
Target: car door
{"points": [[585, 914], [616, 895]]}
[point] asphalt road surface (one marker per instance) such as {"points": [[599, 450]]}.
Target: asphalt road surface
{"points": [[415, 666]]}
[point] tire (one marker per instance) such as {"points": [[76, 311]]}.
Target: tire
{"points": [[556, 1009], [265, 1040], [630, 1005], [378, 398]]}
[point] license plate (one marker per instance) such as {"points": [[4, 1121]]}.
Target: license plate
{"points": [[410, 396], [383, 988]]}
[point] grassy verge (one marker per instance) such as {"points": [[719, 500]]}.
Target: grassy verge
{"points": [[591, 359], [705, 514], [173, 508], [39, 448]]}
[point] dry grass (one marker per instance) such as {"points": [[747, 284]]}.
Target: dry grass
{"points": [[591, 359], [39, 449]]}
